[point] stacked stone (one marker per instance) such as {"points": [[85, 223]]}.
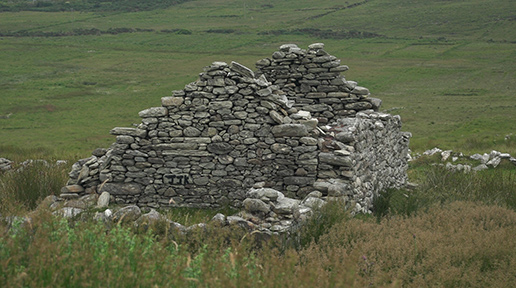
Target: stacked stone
{"points": [[85, 173], [5, 164], [313, 80], [361, 157], [209, 143]]}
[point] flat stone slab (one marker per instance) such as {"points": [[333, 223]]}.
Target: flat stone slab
{"points": [[72, 189], [290, 130], [121, 188], [285, 205], [153, 112], [128, 131], [335, 160]]}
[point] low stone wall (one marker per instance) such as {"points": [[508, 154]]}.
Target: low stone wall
{"points": [[231, 130]]}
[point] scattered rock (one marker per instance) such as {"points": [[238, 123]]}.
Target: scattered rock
{"points": [[127, 214], [103, 200]]}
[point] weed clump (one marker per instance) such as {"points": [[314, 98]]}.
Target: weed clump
{"points": [[23, 187]]}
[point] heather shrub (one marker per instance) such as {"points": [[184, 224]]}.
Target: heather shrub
{"points": [[460, 244]]}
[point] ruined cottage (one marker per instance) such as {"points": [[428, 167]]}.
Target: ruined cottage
{"points": [[295, 125]]}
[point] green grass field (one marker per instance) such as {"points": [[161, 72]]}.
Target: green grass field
{"points": [[446, 67]]}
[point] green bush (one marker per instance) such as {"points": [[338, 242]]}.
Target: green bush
{"points": [[321, 221]]}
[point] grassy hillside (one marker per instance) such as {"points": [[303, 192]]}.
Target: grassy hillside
{"points": [[445, 66]]}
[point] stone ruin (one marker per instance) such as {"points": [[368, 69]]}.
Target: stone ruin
{"points": [[295, 125]]}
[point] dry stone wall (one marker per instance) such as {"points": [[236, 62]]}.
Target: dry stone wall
{"points": [[313, 81], [295, 125]]}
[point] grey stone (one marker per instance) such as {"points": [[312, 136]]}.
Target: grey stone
{"points": [[127, 214], [338, 188], [264, 92], [360, 90], [217, 105], [276, 117], [281, 148], [153, 112], [129, 131], [494, 162], [316, 46], [341, 68], [201, 181], [313, 202], [321, 186], [191, 132], [288, 47], [310, 141], [335, 160], [268, 193], [176, 146], [172, 101], [72, 189], [228, 131], [285, 205], [68, 212], [319, 108], [124, 139], [148, 220], [256, 206], [359, 106], [240, 222], [290, 130], [316, 95], [218, 220], [263, 62], [121, 188], [242, 70], [300, 181], [278, 55], [220, 148], [345, 137], [103, 200], [375, 102]]}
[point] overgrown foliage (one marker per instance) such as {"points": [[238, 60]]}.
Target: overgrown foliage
{"points": [[440, 186], [23, 187], [460, 244], [454, 230]]}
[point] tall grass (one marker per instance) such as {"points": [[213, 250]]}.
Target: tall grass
{"points": [[23, 187], [454, 230], [441, 186], [460, 244]]}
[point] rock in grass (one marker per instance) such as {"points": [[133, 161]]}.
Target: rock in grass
{"points": [[127, 214], [103, 200], [256, 206], [68, 212]]}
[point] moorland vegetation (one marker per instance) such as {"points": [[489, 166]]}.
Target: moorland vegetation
{"points": [[445, 66]]}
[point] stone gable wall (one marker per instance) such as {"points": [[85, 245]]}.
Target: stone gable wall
{"points": [[295, 125]]}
